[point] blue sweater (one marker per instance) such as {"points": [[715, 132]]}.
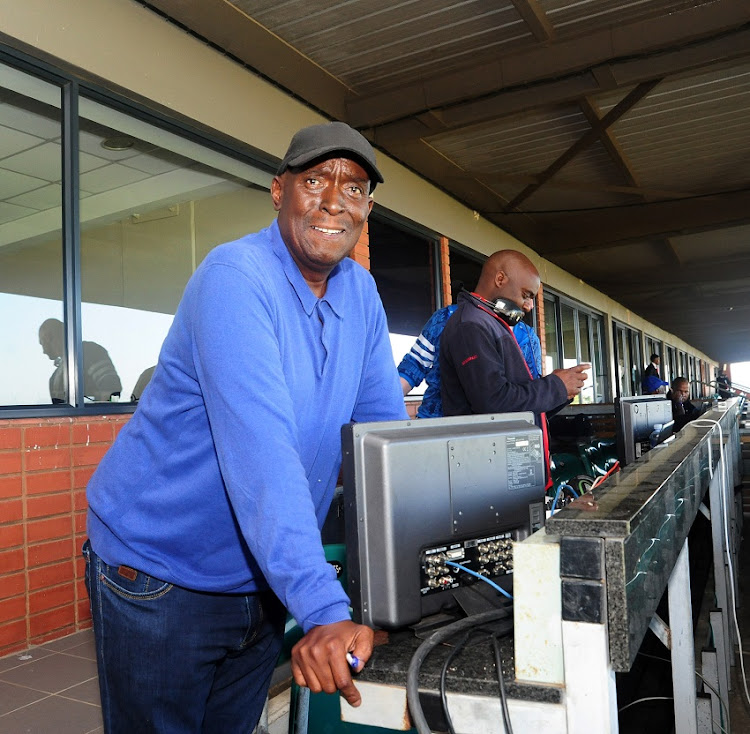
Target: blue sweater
{"points": [[224, 475], [422, 361]]}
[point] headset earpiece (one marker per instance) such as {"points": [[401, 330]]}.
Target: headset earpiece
{"points": [[505, 309]]}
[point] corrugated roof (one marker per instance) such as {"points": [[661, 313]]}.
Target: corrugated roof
{"points": [[371, 45]]}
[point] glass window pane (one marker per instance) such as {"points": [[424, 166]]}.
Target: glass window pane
{"points": [[552, 357], [465, 272], [599, 364], [152, 206], [587, 393], [623, 360], [583, 336], [673, 367], [33, 371], [570, 353], [635, 362], [403, 266]]}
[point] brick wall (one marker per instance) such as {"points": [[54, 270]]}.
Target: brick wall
{"points": [[361, 252], [44, 467]]}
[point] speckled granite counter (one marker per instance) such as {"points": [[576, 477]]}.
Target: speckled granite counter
{"points": [[637, 523], [472, 671]]}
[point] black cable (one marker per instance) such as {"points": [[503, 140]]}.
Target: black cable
{"points": [[412, 676], [501, 685], [443, 694]]}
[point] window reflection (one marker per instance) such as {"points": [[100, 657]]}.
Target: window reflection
{"points": [[570, 357], [599, 365], [152, 206], [30, 239]]}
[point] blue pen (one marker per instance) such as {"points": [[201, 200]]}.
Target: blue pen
{"points": [[353, 660]]}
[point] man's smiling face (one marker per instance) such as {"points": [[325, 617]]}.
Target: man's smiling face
{"points": [[322, 210]]}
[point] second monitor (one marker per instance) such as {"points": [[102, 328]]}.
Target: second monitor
{"points": [[636, 417]]}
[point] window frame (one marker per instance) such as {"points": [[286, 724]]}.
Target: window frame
{"points": [[72, 87], [557, 300]]}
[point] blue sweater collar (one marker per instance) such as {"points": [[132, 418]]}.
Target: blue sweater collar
{"points": [[335, 296]]}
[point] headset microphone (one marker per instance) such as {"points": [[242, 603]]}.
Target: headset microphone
{"points": [[507, 310]]}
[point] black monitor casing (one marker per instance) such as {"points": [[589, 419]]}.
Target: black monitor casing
{"points": [[413, 485], [635, 418]]}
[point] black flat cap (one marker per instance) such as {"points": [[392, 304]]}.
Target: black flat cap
{"points": [[317, 141]]}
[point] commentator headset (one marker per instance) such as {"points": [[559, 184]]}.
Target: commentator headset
{"points": [[506, 310]]}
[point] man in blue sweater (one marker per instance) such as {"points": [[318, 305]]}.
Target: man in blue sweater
{"points": [[205, 515]]}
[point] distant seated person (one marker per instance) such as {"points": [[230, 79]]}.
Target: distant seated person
{"points": [[653, 369], [683, 411], [100, 382], [422, 361], [652, 385]]}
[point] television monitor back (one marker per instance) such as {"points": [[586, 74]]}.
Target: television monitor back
{"points": [[420, 493], [635, 418]]}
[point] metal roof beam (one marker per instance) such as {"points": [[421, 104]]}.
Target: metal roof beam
{"points": [[608, 227], [636, 52], [599, 126], [536, 19], [239, 35]]}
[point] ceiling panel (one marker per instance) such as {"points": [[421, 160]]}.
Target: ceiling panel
{"points": [[718, 244], [694, 130], [14, 141], [392, 42], [46, 197], [520, 144], [10, 212], [576, 17]]}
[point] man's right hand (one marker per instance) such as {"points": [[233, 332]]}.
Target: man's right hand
{"points": [[573, 378], [319, 658]]}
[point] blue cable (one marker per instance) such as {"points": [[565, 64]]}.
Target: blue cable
{"points": [[554, 501], [575, 494], [479, 576], [557, 495]]}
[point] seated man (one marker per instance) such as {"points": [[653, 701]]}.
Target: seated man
{"points": [[683, 411]]}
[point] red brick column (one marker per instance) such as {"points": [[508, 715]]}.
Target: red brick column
{"points": [[541, 324], [445, 270], [44, 467], [361, 252]]}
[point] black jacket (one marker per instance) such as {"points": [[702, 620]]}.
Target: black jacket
{"points": [[482, 369]]}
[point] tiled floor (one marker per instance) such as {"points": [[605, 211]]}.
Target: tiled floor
{"points": [[54, 689], [51, 689]]}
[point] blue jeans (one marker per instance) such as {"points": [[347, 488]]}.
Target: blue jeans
{"points": [[175, 661]]}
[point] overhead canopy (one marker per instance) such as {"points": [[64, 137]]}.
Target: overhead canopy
{"points": [[613, 138]]}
